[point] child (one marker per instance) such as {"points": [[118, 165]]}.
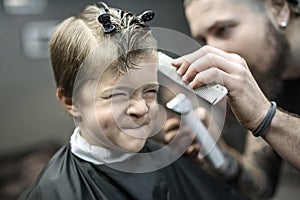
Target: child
{"points": [[105, 67]]}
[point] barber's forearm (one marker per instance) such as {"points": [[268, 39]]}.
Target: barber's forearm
{"points": [[284, 136]]}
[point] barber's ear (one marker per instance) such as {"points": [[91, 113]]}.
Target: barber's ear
{"points": [[67, 103], [280, 11]]}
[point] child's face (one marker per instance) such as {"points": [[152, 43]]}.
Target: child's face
{"points": [[121, 110]]}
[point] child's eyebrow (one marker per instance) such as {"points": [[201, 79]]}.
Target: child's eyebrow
{"points": [[116, 88], [130, 89], [151, 85]]}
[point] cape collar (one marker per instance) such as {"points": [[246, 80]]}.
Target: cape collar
{"points": [[95, 154]]}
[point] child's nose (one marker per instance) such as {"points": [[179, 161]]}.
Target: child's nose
{"points": [[137, 108]]}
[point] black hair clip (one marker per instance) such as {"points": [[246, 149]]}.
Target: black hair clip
{"points": [[108, 26], [147, 15]]}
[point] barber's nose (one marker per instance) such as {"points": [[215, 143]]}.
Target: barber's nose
{"points": [[137, 108]]}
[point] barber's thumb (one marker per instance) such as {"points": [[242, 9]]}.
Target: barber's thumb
{"points": [[203, 115]]}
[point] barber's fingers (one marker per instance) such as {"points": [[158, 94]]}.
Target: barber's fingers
{"points": [[168, 137], [171, 123], [175, 122], [231, 74], [183, 135], [184, 62], [192, 57], [203, 115], [208, 76], [171, 128], [193, 149], [211, 61]]}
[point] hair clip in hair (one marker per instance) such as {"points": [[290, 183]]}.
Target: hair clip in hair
{"points": [[108, 26], [147, 15]]}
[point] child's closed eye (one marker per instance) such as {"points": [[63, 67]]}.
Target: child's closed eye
{"points": [[115, 95], [151, 92]]}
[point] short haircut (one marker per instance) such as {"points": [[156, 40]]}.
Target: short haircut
{"points": [[76, 37]]}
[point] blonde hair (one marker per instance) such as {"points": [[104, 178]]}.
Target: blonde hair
{"points": [[76, 37]]}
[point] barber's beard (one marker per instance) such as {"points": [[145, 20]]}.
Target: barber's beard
{"points": [[270, 81]]}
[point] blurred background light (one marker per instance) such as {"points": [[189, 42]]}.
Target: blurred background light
{"points": [[24, 7]]}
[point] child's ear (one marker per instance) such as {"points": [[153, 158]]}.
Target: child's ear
{"points": [[67, 103]]}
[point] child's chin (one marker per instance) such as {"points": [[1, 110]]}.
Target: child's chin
{"points": [[135, 147]]}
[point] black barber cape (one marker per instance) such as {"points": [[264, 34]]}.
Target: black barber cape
{"points": [[70, 178]]}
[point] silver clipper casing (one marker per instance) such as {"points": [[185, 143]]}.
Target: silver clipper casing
{"points": [[183, 106]]}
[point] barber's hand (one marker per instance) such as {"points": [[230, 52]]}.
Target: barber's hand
{"points": [[211, 65], [171, 128]]}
